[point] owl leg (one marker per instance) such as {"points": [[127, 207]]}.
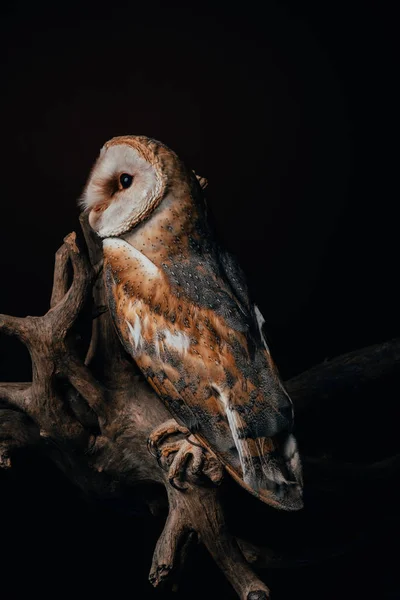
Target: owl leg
{"points": [[166, 455], [161, 433], [179, 467], [194, 463], [182, 456], [186, 460]]}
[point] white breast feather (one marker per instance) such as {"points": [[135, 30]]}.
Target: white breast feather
{"points": [[146, 265], [136, 332], [178, 340]]}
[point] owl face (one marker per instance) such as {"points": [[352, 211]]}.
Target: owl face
{"points": [[127, 183]]}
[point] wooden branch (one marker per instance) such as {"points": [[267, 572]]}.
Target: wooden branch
{"points": [[199, 511], [88, 387], [60, 277], [330, 380], [16, 326], [176, 533], [328, 472], [51, 348], [16, 394], [66, 311], [17, 430], [263, 557]]}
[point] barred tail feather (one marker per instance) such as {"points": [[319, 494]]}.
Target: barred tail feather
{"points": [[272, 466]]}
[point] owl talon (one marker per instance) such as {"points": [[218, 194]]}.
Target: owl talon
{"points": [[183, 459], [152, 449], [178, 485], [159, 435], [180, 467], [163, 456]]}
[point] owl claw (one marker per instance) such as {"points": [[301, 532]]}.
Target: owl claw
{"points": [[152, 449], [158, 436], [184, 459], [164, 456], [178, 485], [179, 467]]}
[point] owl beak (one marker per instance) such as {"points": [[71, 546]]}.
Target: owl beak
{"points": [[95, 216]]}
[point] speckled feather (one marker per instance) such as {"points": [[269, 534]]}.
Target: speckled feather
{"points": [[182, 310]]}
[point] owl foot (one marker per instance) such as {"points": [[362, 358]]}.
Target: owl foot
{"points": [[183, 457], [180, 464], [159, 435]]}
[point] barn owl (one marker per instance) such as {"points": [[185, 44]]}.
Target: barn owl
{"points": [[182, 310]]}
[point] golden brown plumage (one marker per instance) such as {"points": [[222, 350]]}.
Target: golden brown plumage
{"points": [[182, 310]]}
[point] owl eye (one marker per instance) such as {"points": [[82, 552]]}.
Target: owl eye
{"points": [[126, 180]]}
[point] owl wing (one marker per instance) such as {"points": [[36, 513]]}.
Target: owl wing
{"points": [[211, 369]]}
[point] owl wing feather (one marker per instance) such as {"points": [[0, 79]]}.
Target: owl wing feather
{"points": [[210, 367]]}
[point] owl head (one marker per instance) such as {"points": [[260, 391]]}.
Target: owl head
{"points": [[129, 180]]}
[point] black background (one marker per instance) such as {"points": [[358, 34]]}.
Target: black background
{"points": [[289, 110]]}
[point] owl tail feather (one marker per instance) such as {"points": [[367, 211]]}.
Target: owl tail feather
{"points": [[272, 470], [270, 466]]}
